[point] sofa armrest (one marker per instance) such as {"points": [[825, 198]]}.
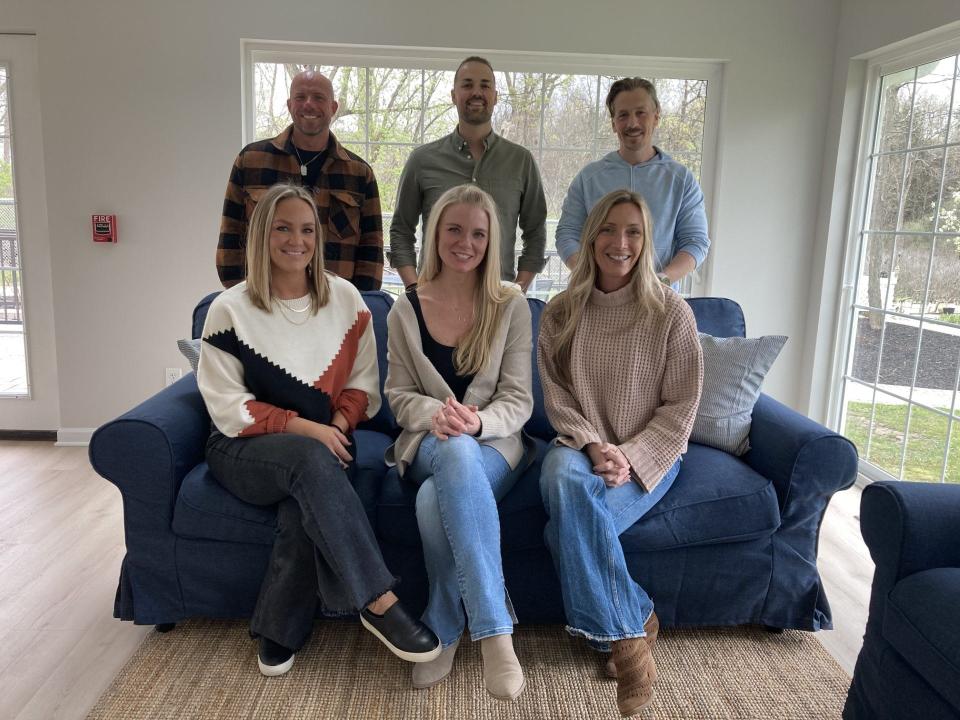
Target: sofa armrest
{"points": [[147, 451], [909, 527], [801, 457]]}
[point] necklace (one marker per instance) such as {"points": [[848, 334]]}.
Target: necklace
{"points": [[460, 315], [303, 165], [299, 312]]}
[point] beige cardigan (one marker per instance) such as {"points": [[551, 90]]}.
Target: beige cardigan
{"points": [[502, 392]]}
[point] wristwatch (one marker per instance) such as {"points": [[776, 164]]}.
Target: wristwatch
{"points": [[662, 277]]}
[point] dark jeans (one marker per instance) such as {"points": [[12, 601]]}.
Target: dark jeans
{"points": [[324, 543]]}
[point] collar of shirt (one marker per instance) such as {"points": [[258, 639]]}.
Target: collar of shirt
{"points": [[463, 146], [284, 141]]}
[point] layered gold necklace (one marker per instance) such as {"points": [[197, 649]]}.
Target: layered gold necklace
{"points": [[292, 306]]}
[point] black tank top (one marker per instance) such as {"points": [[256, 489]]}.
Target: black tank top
{"points": [[441, 356]]}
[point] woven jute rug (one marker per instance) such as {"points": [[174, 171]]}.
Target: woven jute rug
{"points": [[207, 669]]}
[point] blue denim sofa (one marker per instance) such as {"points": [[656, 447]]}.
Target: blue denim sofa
{"points": [[909, 665], [733, 542]]}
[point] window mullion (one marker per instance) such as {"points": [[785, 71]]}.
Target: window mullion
{"points": [[951, 421]]}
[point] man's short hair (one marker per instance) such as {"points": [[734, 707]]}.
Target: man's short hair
{"points": [[628, 84], [472, 59]]}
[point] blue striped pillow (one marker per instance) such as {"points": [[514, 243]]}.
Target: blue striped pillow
{"points": [[733, 371]]}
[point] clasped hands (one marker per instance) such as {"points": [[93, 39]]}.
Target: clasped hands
{"points": [[609, 463], [454, 418]]}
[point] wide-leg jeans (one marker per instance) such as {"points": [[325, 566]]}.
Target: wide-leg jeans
{"points": [[602, 601], [324, 543], [461, 482]]}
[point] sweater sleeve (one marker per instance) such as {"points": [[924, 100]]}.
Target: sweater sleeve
{"points": [[231, 256], [232, 407], [411, 407], [360, 397], [691, 230], [512, 401], [654, 449], [563, 409], [573, 214]]}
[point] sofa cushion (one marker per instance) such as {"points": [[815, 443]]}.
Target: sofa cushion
{"points": [[205, 510], [716, 498], [538, 425], [921, 622], [379, 304], [720, 317]]}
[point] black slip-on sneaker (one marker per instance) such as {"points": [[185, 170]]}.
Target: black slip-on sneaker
{"points": [[405, 636], [274, 659]]}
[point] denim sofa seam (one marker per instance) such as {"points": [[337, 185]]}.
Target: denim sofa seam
{"points": [[894, 607], [225, 516]]}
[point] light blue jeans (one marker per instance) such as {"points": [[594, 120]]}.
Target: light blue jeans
{"points": [[461, 482], [602, 601]]}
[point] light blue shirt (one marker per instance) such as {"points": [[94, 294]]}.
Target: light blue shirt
{"points": [[671, 191]]}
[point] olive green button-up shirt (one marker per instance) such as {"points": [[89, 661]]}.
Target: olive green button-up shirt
{"points": [[505, 170]]}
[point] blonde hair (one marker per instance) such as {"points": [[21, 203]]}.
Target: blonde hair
{"points": [[566, 309], [259, 287], [473, 350]]}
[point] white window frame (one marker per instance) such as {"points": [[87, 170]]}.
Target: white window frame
{"points": [[885, 62], [255, 51]]}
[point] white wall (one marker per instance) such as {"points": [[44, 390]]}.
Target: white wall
{"points": [[866, 27], [141, 117]]}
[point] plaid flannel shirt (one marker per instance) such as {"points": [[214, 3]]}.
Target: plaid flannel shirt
{"points": [[347, 197]]}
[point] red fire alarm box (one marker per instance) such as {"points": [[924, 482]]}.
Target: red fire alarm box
{"points": [[104, 228]]}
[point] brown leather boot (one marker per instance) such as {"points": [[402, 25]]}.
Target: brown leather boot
{"points": [[652, 628], [636, 674]]}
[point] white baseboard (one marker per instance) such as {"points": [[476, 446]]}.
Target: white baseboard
{"points": [[74, 437]]}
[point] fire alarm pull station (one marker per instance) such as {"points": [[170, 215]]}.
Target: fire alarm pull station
{"points": [[105, 228]]}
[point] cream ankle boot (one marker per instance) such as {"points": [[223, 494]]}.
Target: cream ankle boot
{"points": [[502, 674], [428, 674]]}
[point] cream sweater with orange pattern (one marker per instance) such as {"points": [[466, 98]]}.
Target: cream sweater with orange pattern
{"points": [[636, 380]]}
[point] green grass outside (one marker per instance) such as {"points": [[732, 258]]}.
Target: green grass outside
{"points": [[925, 444]]}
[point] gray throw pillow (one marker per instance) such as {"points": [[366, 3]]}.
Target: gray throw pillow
{"points": [[733, 370], [191, 351]]}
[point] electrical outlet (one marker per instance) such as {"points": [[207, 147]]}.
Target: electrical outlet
{"points": [[171, 375]]}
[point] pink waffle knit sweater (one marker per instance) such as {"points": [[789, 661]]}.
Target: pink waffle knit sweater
{"points": [[636, 380]]}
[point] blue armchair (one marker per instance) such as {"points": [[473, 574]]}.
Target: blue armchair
{"points": [[734, 542], [909, 666]]}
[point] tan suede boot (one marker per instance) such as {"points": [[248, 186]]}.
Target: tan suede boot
{"points": [[652, 628], [502, 674], [636, 674]]}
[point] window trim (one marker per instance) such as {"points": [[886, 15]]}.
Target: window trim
{"points": [[440, 58]]}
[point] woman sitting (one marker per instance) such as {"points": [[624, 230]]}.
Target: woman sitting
{"points": [[288, 369], [621, 370], [459, 385]]}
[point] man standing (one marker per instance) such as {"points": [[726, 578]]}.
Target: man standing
{"points": [[342, 183], [672, 192], [473, 153]]}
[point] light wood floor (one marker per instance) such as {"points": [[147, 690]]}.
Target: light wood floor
{"points": [[61, 542]]}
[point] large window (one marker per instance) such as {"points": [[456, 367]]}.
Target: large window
{"points": [[13, 365], [389, 105], [900, 385]]}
